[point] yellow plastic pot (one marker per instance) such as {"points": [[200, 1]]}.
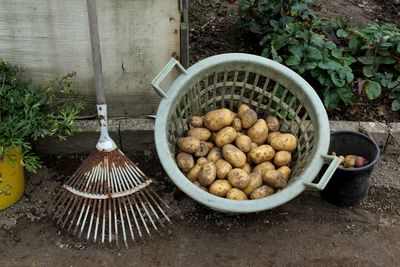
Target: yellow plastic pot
{"points": [[12, 182]]}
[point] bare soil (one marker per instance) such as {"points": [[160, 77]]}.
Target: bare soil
{"points": [[213, 31], [306, 231]]}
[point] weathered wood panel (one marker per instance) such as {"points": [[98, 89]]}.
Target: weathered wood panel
{"points": [[50, 37]]}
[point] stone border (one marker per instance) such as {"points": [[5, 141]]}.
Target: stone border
{"points": [[137, 135]]}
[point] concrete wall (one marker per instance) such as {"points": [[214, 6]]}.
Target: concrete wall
{"points": [[51, 37]]}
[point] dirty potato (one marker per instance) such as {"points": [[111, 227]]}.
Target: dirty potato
{"points": [[220, 188], [258, 132], [249, 117], [242, 108], [207, 174], [203, 149], [272, 136], [273, 123], [282, 158], [237, 124], [238, 178], [262, 167], [193, 173], [217, 119], [185, 161], [196, 121], [200, 161], [214, 154], [243, 142], [234, 156], [203, 134], [236, 194], [286, 171], [285, 141], [188, 144], [349, 161], [247, 168], [261, 192], [255, 182], [262, 153], [223, 167], [225, 136], [275, 179]]}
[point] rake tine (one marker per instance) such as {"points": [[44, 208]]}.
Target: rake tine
{"points": [[119, 187], [147, 212], [141, 217], [158, 206]]}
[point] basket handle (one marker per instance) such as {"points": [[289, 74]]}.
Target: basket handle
{"points": [[334, 163], [155, 83]]}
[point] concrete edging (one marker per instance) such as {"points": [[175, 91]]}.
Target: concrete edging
{"points": [[135, 134]]}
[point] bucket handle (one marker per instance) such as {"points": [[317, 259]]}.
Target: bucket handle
{"points": [[334, 163], [155, 83]]}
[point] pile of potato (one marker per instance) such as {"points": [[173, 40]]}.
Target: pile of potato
{"points": [[236, 155], [351, 161]]}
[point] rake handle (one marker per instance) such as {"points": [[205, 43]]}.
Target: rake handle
{"points": [[96, 56]]}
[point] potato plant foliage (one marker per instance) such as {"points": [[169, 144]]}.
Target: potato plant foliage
{"points": [[337, 58]]}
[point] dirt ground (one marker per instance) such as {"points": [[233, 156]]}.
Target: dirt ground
{"points": [[304, 232]]}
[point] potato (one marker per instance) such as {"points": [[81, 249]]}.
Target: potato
{"points": [[223, 167], [196, 121], [262, 153], [243, 142], [285, 170], [238, 178], [262, 192], [262, 167], [207, 174], [185, 161], [236, 194], [360, 161], [242, 108], [214, 154], [272, 123], [285, 141], [200, 161], [203, 134], [237, 124], [188, 144], [210, 145], [258, 132], [282, 158], [247, 168], [225, 136], [197, 183], [193, 173], [234, 156], [220, 188], [349, 161], [271, 136], [275, 178], [255, 182], [248, 157], [249, 117], [217, 119], [203, 149], [342, 158]]}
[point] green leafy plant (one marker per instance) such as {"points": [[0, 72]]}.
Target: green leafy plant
{"points": [[332, 55], [29, 111]]}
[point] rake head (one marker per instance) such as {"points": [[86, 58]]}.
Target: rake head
{"points": [[109, 196]]}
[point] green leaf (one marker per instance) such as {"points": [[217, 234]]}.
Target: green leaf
{"points": [[398, 48], [336, 53], [310, 65], [313, 53], [341, 33], [354, 44], [330, 45], [331, 99], [398, 159], [396, 105], [254, 27], [318, 40], [346, 95], [328, 64], [370, 70], [367, 60], [385, 60], [296, 50], [373, 90], [293, 60], [336, 79]]}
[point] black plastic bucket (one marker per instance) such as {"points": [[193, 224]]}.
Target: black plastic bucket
{"points": [[348, 187]]}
